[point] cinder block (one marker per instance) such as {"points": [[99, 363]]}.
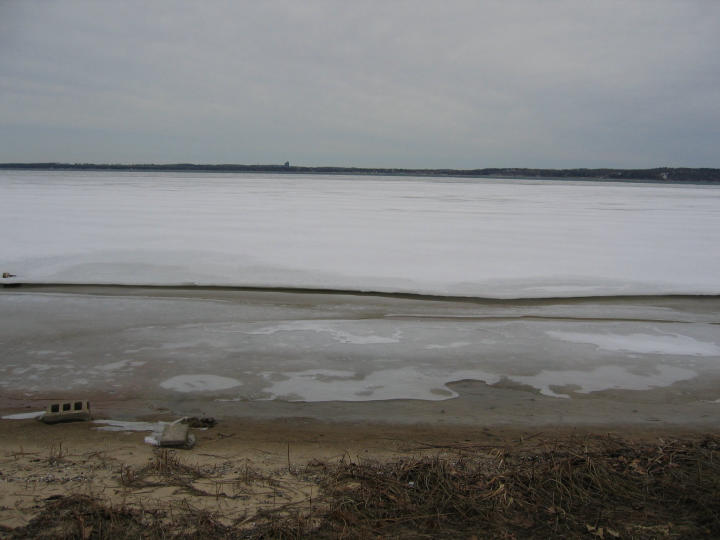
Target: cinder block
{"points": [[67, 411]]}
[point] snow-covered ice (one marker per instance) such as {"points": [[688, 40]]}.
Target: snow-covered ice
{"points": [[474, 237]]}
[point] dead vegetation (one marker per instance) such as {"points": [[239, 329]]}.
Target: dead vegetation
{"points": [[602, 487], [165, 469], [597, 487]]}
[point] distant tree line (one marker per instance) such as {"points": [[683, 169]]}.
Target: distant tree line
{"points": [[661, 174]]}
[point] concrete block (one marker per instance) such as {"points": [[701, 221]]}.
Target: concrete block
{"points": [[67, 411], [177, 435]]}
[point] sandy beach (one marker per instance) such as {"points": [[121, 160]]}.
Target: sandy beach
{"points": [[275, 477]]}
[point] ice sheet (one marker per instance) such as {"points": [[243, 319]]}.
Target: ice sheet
{"points": [[24, 416], [126, 425], [316, 347], [199, 383], [643, 343], [405, 383], [410, 383], [329, 327], [604, 378], [479, 237]]}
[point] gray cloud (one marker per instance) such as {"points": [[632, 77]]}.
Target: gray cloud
{"points": [[376, 83]]}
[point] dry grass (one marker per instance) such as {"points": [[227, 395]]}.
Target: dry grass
{"points": [[598, 487], [165, 469]]}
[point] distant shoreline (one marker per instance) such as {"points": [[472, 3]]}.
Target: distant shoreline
{"points": [[660, 174]]}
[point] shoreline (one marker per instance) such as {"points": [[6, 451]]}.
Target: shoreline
{"points": [[657, 175], [140, 289]]}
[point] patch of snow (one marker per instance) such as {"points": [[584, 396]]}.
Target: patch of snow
{"points": [[340, 385], [642, 343], [199, 383], [453, 345], [120, 365], [411, 383], [330, 327], [125, 425], [603, 378], [23, 416]]}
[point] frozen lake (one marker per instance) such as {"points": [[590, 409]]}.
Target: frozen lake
{"points": [[476, 237], [529, 245]]}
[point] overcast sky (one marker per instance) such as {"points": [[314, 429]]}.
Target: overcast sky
{"points": [[418, 83]]}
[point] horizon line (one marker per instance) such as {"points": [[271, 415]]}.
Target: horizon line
{"points": [[287, 165]]}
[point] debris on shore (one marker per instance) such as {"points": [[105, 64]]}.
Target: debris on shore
{"points": [[590, 487], [200, 422], [77, 410]]}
